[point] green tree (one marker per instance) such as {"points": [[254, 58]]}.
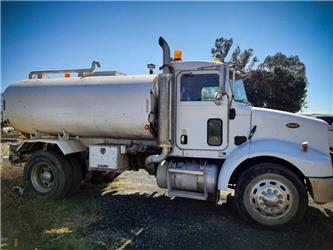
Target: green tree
{"points": [[244, 60], [277, 90], [279, 82], [221, 49], [292, 64]]}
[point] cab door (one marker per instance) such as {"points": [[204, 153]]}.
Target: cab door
{"points": [[201, 124]]}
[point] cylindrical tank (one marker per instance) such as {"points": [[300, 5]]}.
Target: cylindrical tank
{"points": [[192, 177], [95, 106]]}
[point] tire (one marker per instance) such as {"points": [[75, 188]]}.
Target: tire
{"points": [[77, 174], [49, 174], [271, 196]]}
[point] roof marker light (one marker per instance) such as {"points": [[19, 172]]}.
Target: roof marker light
{"points": [[177, 55]]}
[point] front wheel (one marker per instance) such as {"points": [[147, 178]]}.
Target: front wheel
{"points": [[271, 195]]}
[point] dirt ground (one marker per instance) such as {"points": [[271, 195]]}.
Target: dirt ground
{"points": [[136, 214]]}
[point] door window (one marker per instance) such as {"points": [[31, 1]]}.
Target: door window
{"points": [[214, 132], [199, 87]]}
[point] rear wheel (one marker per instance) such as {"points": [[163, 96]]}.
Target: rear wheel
{"points": [[270, 195], [77, 174], [49, 174]]}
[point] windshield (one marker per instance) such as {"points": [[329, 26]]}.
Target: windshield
{"points": [[240, 93]]}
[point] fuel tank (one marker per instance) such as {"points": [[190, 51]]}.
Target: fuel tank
{"points": [[94, 106]]}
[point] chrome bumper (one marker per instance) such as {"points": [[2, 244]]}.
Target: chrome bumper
{"points": [[322, 189]]}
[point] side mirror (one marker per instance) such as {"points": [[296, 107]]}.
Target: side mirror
{"points": [[218, 98]]}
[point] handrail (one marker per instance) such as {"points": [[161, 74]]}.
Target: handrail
{"points": [[80, 72]]}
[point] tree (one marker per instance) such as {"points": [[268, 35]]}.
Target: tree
{"points": [[292, 64], [222, 47], [279, 82], [240, 58], [277, 90]]}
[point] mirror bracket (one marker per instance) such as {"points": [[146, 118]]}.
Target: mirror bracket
{"points": [[218, 98]]}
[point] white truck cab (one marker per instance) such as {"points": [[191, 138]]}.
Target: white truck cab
{"points": [[190, 126]]}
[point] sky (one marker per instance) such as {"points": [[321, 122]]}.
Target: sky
{"points": [[123, 36]]}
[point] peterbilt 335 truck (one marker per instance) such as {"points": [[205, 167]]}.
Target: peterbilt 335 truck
{"points": [[191, 126]]}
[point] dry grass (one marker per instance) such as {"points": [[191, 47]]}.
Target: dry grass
{"points": [[30, 221], [116, 184]]}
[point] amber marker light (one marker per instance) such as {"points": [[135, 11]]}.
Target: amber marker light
{"points": [[305, 146], [177, 55], [67, 75]]}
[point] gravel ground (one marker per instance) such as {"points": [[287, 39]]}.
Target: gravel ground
{"points": [[139, 215]]}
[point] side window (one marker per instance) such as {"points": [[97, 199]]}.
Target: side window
{"points": [[195, 87], [214, 132]]}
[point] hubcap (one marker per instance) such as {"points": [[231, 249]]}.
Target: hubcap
{"points": [[270, 198], [42, 178]]}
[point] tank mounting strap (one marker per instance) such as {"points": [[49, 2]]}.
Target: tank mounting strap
{"points": [[186, 171], [80, 72]]}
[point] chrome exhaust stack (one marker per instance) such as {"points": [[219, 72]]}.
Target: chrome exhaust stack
{"points": [[166, 55], [164, 110]]}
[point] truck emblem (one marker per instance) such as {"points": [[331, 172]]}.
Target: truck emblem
{"points": [[292, 125]]}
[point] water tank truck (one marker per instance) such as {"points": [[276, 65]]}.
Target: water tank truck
{"points": [[191, 126]]}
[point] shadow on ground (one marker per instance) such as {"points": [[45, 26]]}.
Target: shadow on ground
{"points": [[155, 221]]}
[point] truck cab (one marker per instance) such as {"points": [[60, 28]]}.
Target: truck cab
{"points": [[206, 103]]}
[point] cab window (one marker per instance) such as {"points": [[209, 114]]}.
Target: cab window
{"points": [[201, 87]]}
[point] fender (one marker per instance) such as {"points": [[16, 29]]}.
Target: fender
{"points": [[234, 159], [66, 146], [312, 163]]}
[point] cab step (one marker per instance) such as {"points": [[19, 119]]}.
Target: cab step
{"points": [[187, 194]]}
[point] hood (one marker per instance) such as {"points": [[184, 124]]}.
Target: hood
{"points": [[272, 124]]}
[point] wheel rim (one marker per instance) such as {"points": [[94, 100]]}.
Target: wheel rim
{"points": [[42, 178], [270, 199]]}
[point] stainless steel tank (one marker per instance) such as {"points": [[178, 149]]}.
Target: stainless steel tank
{"points": [[192, 177], [95, 106]]}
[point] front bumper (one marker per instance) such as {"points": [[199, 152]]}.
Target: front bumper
{"points": [[322, 189]]}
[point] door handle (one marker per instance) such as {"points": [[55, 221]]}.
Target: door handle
{"points": [[183, 139]]}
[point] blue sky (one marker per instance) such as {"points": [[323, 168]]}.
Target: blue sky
{"points": [[123, 36]]}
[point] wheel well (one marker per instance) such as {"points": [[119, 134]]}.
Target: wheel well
{"points": [[252, 161], [29, 148]]}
